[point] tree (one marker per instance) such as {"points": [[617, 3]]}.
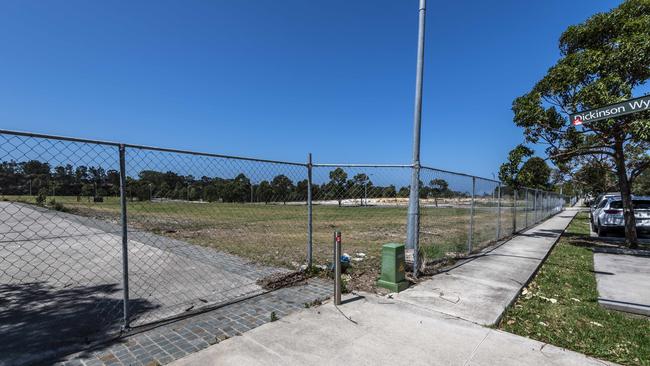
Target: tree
{"points": [[389, 191], [509, 171], [361, 185], [603, 61], [36, 172], [595, 176], [439, 188], [282, 187], [535, 173], [240, 189], [41, 197], [404, 192], [337, 184], [264, 192], [524, 170], [642, 184], [300, 192]]}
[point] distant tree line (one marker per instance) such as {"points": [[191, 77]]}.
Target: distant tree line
{"points": [[33, 176]]}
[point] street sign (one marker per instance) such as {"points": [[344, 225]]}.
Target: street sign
{"points": [[612, 111]]}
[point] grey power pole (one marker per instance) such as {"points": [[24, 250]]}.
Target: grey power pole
{"points": [[412, 234]]}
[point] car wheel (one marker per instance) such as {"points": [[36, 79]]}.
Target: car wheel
{"points": [[601, 231]]}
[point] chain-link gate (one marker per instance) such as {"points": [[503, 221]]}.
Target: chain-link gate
{"points": [[202, 230]]}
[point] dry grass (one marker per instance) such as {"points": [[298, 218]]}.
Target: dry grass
{"points": [[276, 234]]}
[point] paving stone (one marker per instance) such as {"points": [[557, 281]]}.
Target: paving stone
{"points": [[171, 342]]}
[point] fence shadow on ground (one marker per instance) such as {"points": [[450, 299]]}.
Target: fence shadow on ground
{"points": [[546, 233], [40, 323]]}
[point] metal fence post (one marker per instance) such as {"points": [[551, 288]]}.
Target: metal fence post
{"points": [[534, 206], [526, 208], [544, 204], [499, 212], [337, 268], [514, 211], [413, 229], [125, 247], [310, 228], [471, 218]]}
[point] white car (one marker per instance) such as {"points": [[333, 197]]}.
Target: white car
{"points": [[593, 205], [607, 217]]}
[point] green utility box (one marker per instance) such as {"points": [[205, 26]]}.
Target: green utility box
{"points": [[392, 268]]}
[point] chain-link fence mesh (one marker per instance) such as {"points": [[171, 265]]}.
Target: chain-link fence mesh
{"points": [[202, 229], [367, 204], [57, 270], [446, 209], [462, 214]]}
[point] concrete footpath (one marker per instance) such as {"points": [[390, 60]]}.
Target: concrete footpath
{"points": [[480, 289], [412, 328]]}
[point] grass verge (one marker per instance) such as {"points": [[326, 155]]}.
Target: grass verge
{"points": [[560, 306]]}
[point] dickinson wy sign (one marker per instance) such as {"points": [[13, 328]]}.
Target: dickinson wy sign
{"points": [[612, 110]]}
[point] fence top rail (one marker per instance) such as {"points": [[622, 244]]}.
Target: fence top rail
{"points": [[462, 174], [347, 165], [143, 147], [57, 137], [190, 152]]}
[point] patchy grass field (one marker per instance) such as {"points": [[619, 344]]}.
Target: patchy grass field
{"points": [[276, 234], [560, 306]]}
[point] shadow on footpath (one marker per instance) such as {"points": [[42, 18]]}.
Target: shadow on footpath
{"points": [[40, 323]]}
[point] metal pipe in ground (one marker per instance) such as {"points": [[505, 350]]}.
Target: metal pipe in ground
{"points": [[310, 228], [337, 268]]}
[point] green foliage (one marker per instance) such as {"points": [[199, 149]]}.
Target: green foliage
{"points": [[281, 186], [535, 173], [41, 197], [524, 170], [58, 206], [596, 176], [264, 192], [604, 60], [274, 316], [336, 187], [642, 184]]}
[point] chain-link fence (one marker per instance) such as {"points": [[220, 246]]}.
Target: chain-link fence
{"points": [[105, 235], [462, 214]]}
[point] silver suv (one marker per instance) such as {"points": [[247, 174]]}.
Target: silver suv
{"points": [[608, 215]]}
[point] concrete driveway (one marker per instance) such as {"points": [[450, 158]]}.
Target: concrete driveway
{"points": [[61, 280]]}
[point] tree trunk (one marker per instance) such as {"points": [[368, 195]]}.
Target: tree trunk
{"points": [[626, 196]]}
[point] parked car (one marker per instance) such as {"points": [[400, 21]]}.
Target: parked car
{"points": [[598, 201], [608, 215]]}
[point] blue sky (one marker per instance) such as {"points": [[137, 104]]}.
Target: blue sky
{"points": [[278, 79]]}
